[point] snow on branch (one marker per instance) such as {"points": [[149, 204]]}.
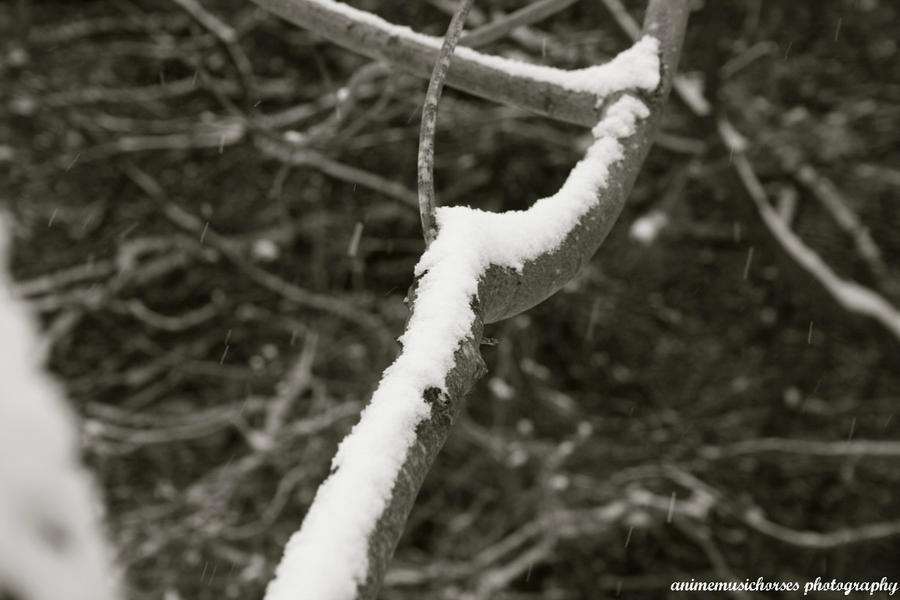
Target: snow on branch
{"points": [[467, 277], [572, 96], [50, 546], [882, 448]]}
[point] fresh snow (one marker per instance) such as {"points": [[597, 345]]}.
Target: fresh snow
{"points": [[50, 545], [327, 558], [636, 67]]}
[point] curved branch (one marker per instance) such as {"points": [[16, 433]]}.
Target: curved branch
{"points": [[541, 90], [497, 30], [482, 267], [429, 121]]}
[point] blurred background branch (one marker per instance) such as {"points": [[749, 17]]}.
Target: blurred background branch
{"points": [[707, 348]]}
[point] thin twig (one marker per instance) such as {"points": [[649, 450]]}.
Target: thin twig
{"points": [[702, 536], [849, 294], [704, 500], [170, 323], [623, 18], [526, 15], [52, 282], [755, 518], [416, 54], [297, 379], [228, 37], [219, 135], [427, 202], [885, 448], [73, 31], [209, 21], [307, 157], [270, 281], [228, 249], [531, 39], [831, 198], [501, 576]]}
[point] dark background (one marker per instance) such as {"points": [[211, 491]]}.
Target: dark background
{"points": [[218, 334]]}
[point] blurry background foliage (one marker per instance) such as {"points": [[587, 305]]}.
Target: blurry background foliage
{"points": [[219, 249]]}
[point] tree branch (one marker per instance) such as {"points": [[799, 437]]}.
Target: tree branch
{"points": [[883, 448], [429, 121], [488, 77], [52, 545], [849, 294], [828, 194], [467, 279], [496, 30]]}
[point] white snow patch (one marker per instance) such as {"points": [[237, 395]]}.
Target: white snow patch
{"points": [[50, 545], [327, 558], [636, 67]]}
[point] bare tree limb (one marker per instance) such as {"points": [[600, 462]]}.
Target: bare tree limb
{"points": [[849, 294], [828, 194], [425, 167], [810, 447], [524, 35], [704, 500], [702, 536], [496, 30], [555, 525]]}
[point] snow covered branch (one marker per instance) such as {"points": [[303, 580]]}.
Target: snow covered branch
{"points": [[500, 28], [562, 95], [481, 267]]}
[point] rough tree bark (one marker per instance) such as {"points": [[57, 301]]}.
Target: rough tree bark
{"points": [[502, 292]]}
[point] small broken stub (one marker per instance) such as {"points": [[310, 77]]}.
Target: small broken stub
{"points": [[434, 395]]}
